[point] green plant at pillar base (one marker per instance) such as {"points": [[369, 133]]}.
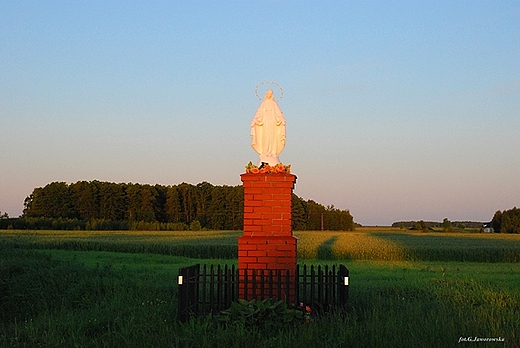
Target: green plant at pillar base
{"points": [[264, 314]]}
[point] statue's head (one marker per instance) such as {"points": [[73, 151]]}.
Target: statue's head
{"points": [[269, 94]]}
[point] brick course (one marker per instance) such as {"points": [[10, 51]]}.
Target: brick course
{"points": [[268, 242]]}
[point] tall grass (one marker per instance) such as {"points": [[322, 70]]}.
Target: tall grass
{"points": [[102, 299], [374, 244], [407, 246], [199, 244]]}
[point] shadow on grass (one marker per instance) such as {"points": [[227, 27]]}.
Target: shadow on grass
{"points": [[325, 250]]}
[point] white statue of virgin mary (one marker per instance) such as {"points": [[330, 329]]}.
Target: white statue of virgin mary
{"points": [[268, 130]]}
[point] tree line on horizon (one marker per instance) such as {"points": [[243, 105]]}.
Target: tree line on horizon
{"points": [[96, 205], [507, 221], [445, 224]]}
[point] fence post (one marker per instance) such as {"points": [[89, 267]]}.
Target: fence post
{"points": [[188, 291], [297, 285], [343, 283]]}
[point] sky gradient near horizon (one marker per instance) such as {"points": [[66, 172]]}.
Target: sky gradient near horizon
{"points": [[395, 110]]}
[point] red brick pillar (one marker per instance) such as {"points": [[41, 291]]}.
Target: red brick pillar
{"points": [[268, 243]]}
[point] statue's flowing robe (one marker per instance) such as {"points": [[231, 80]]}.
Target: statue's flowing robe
{"points": [[268, 130]]}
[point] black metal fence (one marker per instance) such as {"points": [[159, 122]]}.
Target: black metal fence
{"points": [[204, 290]]}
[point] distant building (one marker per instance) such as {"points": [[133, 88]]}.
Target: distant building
{"points": [[488, 227]]}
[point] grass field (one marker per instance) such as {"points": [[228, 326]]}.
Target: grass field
{"points": [[93, 289], [390, 244]]}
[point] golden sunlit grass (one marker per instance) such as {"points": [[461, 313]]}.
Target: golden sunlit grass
{"points": [[400, 245], [368, 243], [343, 245]]}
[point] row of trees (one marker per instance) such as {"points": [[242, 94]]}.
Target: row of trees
{"points": [[507, 221], [101, 205], [446, 225]]}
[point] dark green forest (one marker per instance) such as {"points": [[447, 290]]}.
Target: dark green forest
{"points": [[507, 221], [96, 205]]}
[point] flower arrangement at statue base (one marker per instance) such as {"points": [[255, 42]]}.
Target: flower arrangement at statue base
{"points": [[265, 168]]}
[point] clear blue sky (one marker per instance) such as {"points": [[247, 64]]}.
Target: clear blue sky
{"points": [[396, 110]]}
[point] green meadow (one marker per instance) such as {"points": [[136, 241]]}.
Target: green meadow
{"points": [[118, 289]]}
